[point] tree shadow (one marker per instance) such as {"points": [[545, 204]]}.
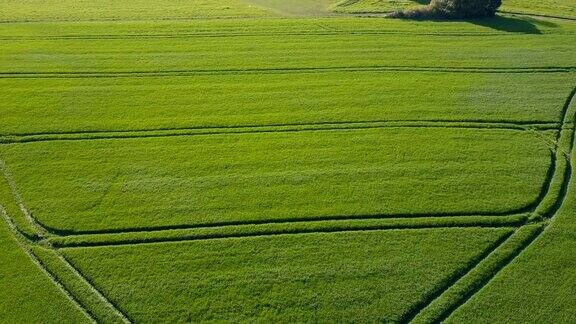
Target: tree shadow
{"points": [[512, 24], [422, 2]]}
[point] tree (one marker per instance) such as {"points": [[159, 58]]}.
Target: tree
{"points": [[452, 9]]}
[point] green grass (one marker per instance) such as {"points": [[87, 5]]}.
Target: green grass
{"points": [[539, 284], [157, 10], [265, 160], [249, 50], [249, 230], [305, 8], [454, 296], [96, 104], [213, 179], [536, 287], [28, 294], [369, 276], [375, 6], [77, 10], [78, 287], [560, 8]]}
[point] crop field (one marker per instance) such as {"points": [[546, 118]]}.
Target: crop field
{"points": [[285, 161]]}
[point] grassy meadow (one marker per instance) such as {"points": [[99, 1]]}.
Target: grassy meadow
{"points": [[285, 161], [553, 8], [262, 176]]}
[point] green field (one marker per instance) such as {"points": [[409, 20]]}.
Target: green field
{"points": [[285, 161]]}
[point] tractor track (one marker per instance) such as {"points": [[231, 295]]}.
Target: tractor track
{"points": [[21, 241], [46, 230], [264, 33], [280, 70], [274, 128], [566, 120], [559, 199]]}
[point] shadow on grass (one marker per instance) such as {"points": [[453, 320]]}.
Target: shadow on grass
{"points": [[512, 24]]}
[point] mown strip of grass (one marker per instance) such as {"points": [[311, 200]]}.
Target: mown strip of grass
{"points": [[365, 276], [113, 184], [121, 104]]}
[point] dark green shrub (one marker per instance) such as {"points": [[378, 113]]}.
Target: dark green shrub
{"points": [[451, 9]]}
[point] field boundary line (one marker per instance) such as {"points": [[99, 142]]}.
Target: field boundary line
{"points": [[273, 128], [281, 70], [21, 242]]}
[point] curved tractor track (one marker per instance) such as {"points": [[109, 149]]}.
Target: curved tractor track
{"points": [[435, 306]]}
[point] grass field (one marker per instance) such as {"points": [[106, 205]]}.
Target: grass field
{"points": [[553, 8], [285, 161]]}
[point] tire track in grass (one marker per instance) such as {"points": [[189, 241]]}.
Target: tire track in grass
{"points": [[41, 230], [517, 126], [282, 70], [531, 126], [462, 290], [317, 227], [407, 317], [44, 234], [503, 123], [265, 33], [435, 295], [23, 244], [92, 288], [442, 286], [64, 233], [136, 19], [444, 304]]}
